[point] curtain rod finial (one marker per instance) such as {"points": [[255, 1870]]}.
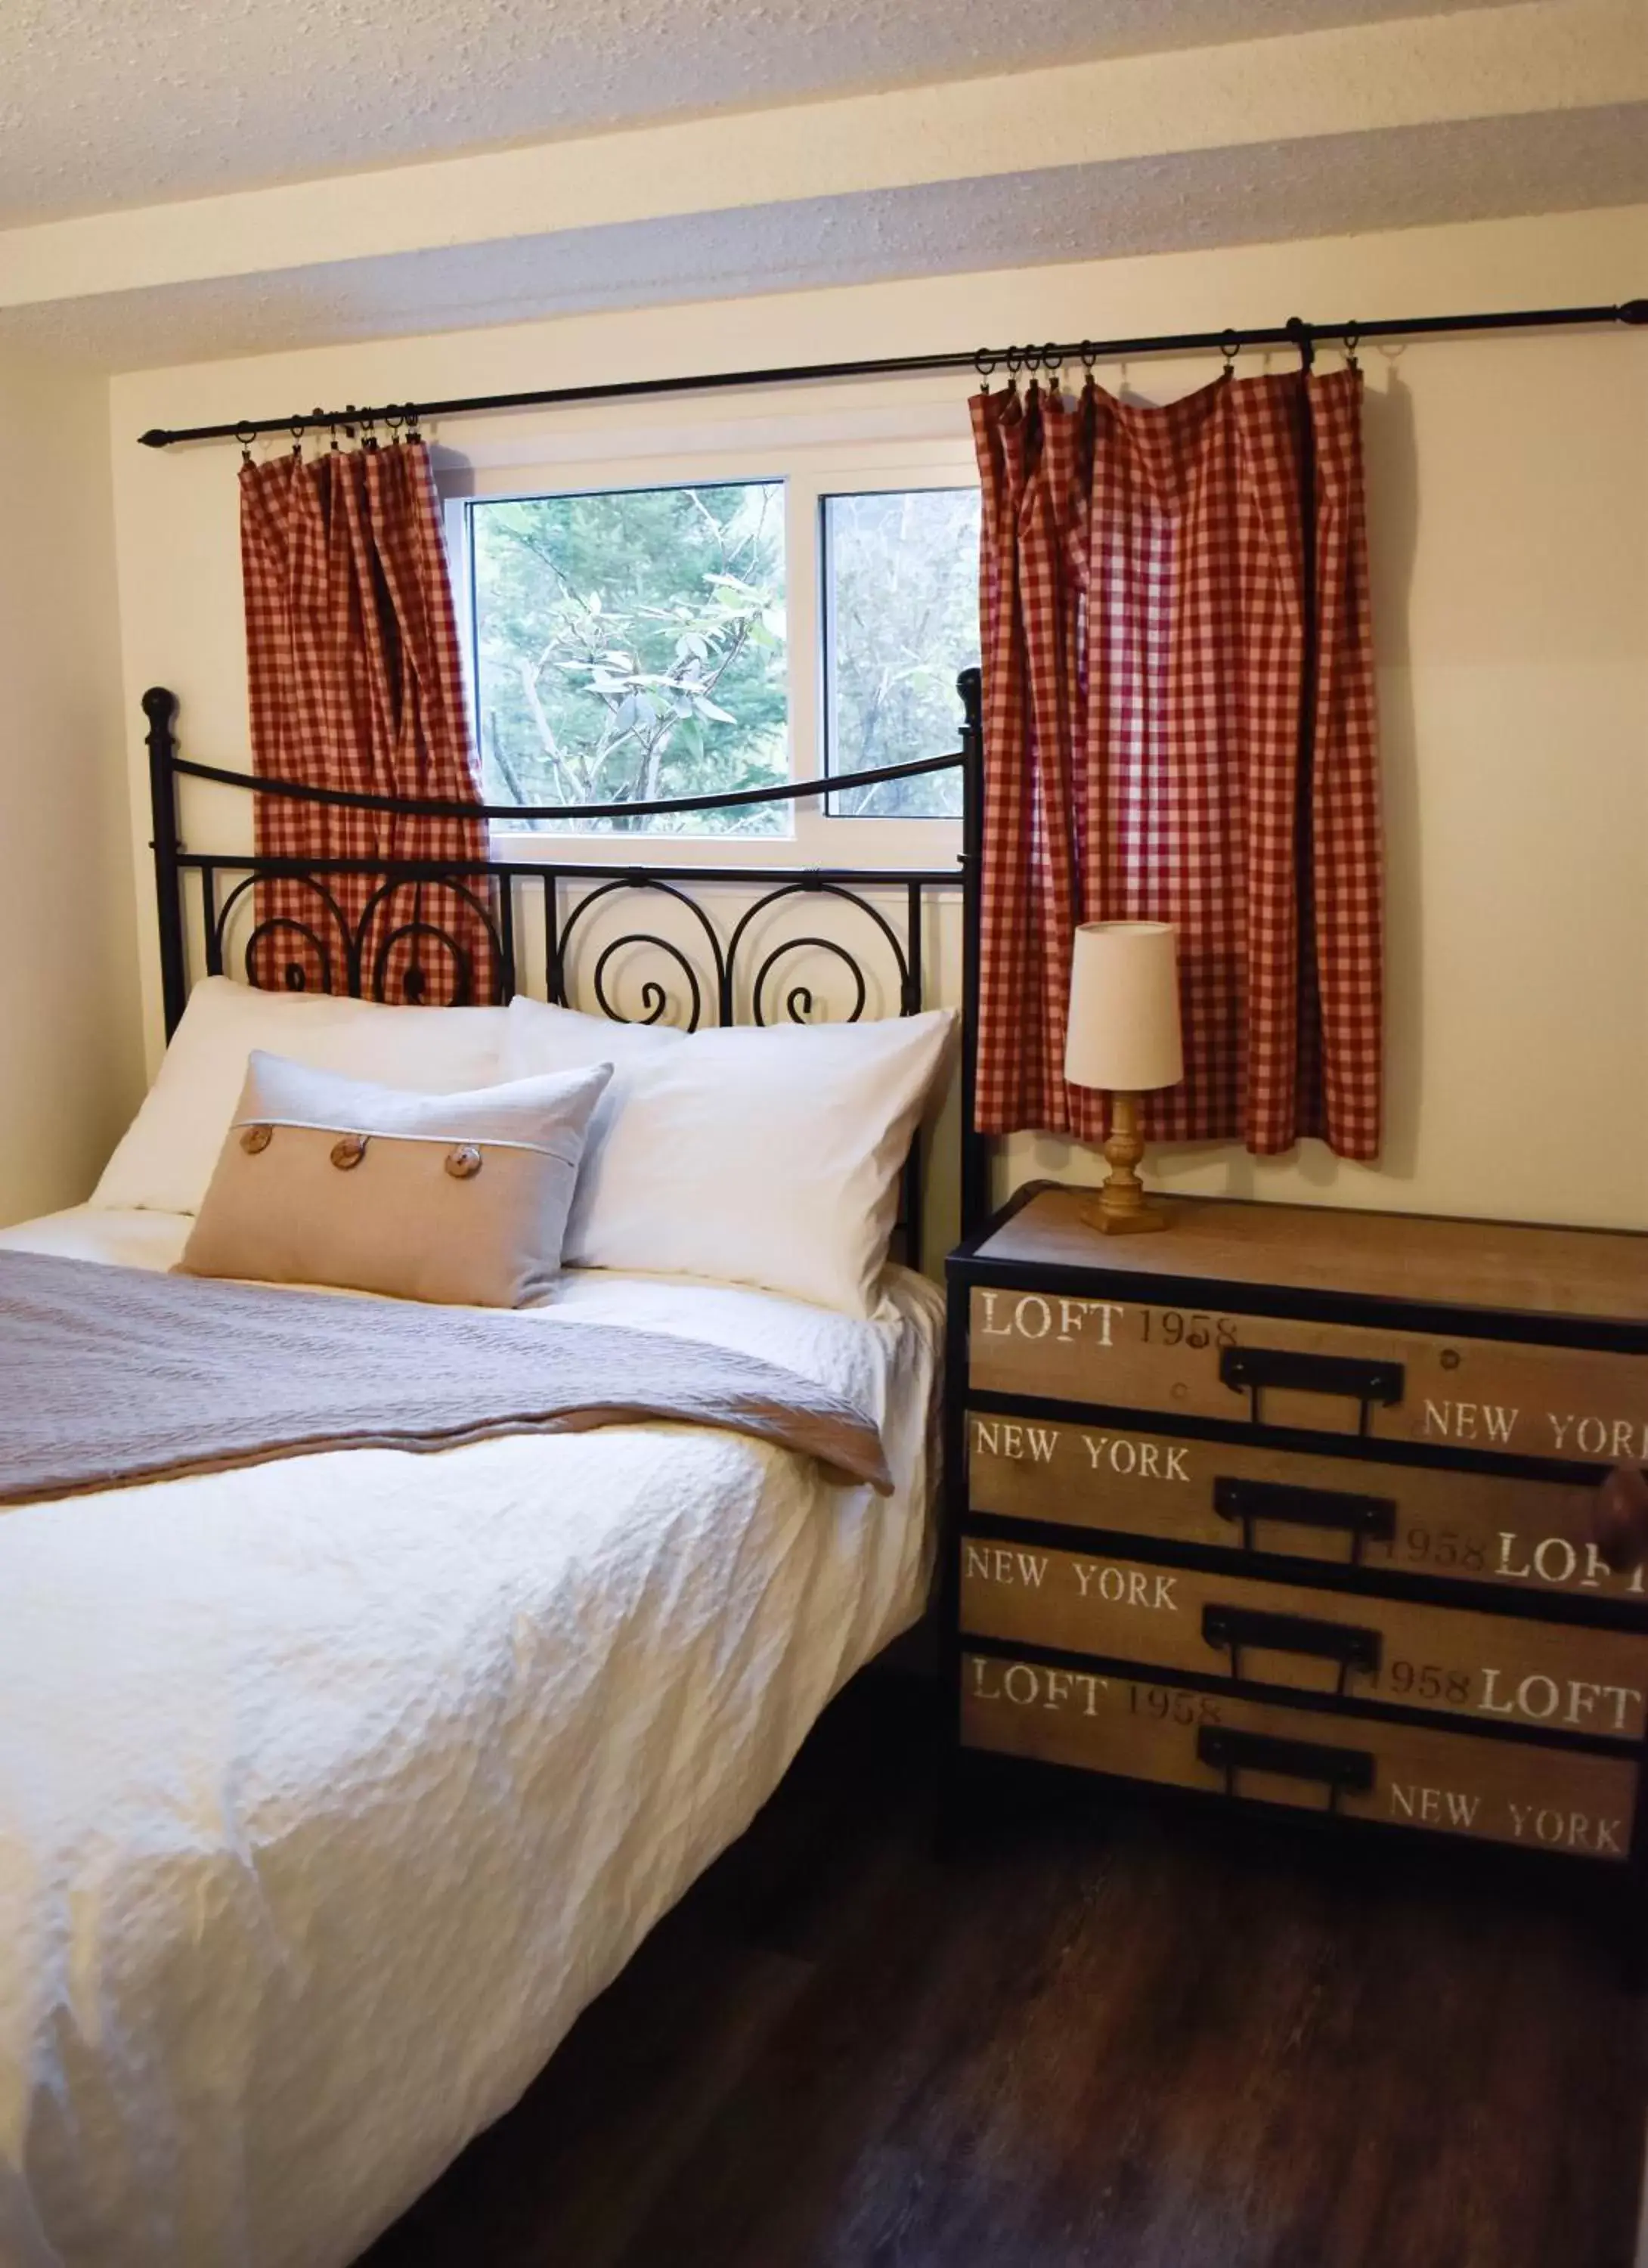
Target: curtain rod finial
{"points": [[155, 438], [1634, 311]]}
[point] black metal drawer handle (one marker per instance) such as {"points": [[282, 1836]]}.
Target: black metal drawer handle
{"points": [[1232, 1629], [1363, 1518], [1249, 1370], [1342, 1771]]}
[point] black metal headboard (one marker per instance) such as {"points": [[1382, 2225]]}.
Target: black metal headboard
{"points": [[536, 911]]}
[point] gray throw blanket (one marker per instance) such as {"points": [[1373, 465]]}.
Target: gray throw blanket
{"points": [[111, 1376]]}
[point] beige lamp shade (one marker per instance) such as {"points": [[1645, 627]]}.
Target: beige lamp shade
{"points": [[1123, 1031]]}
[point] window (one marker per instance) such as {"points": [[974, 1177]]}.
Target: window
{"points": [[630, 645], [900, 615], [648, 613]]}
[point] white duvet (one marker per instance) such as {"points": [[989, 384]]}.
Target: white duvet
{"points": [[331, 1791]]}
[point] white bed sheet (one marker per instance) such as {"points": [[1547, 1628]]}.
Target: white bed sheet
{"points": [[331, 1791]]}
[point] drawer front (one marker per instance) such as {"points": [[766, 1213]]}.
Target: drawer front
{"points": [[1559, 1402], [1499, 1668], [1244, 1496], [1406, 1775]]}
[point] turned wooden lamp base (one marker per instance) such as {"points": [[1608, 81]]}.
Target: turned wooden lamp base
{"points": [[1120, 1208]]}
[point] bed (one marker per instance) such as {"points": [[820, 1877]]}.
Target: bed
{"points": [[334, 1787]]}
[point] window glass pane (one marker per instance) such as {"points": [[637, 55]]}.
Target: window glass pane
{"points": [[631, 645], [900, 571]]}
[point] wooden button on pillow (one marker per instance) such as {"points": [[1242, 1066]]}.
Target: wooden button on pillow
{"points": [[460, 1199]]}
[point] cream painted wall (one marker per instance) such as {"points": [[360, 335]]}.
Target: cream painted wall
{"points": [[70, 1054], [1509, 512]]}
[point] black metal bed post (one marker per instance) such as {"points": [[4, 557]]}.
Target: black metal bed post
{"points": [[914, 1192], [976, 1197], [160, 707], [975, 1149]]}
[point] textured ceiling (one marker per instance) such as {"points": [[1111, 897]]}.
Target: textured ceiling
{"points": [[1332, 185], [106, 103], [250, 177]]}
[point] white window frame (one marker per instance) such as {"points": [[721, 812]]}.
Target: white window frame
{"points": [[815, 454]]}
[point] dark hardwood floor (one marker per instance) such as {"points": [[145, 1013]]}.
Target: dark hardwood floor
{"points": [[1089, 2037]]}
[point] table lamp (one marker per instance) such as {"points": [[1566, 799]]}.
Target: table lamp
{"points": [[1124, 1037]]}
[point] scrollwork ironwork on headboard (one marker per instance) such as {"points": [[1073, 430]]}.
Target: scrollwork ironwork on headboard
{"points": [[414, 981], [707, 979], [654, 998], [906, 958], [701, 971], [341, 946]]}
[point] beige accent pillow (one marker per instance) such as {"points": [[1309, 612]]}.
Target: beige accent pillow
{"points": [[460, 1199]]}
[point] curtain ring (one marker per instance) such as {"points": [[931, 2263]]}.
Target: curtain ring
{"points": [[412, 432], [394, 421], [298, 428], [350, 415], [369, 437], [984, 363], [1053, 362], [1015, 362], [246, 433], [1352, 340], [332, 429]]}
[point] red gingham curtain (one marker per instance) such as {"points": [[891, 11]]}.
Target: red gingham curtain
{"points": [[1146, 645], [355, 683]]}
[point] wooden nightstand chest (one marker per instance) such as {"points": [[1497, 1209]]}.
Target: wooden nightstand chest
{"points": [[1291, 1507]]}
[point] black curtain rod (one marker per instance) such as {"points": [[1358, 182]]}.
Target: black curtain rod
{"points": [[986, 361]]}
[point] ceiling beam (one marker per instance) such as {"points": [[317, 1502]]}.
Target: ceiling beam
{"points": [[1541, 56]]}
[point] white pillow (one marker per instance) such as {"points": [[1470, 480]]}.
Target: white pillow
{"points": [[562, 1039], [540, 1037], [754, 1156], [164, 1161]]}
